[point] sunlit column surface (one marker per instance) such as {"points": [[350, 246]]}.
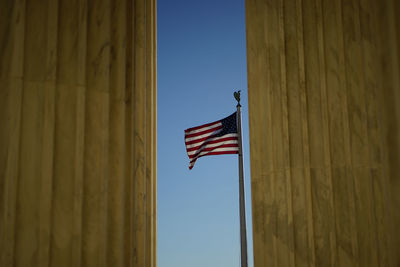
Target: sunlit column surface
{"points": [[323, 86]]}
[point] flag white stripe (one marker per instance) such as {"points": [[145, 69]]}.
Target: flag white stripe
{"points": [[222, 149], [200, 133], [203, 135], [212, 145], [211, 139], [217, 124]]}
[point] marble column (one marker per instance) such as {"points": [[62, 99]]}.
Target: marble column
{"points": [[78, 133], [320, 79]]}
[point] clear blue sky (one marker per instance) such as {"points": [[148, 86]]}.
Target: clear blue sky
{"points": [[201, 61]]}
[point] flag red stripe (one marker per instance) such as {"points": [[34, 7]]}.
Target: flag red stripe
{"points": [[222, 152], [208, 147], [200, 140], [215, 153], [212, 142], [211, 149], [221, 149], [201, 126], [203, 132]]}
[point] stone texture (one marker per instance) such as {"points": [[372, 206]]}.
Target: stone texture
{"points": [[78, 135], [323, 86]]}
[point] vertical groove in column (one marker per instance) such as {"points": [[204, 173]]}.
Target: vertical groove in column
{"points": [[387, 43], [268, 171], [346, 227], [305, 134], [373, 137], [68, 157], [380, 179], [12, 81], [319, 170], [77, 240], [391, 115], [346, 256], [326, 227], [285, 139], [301, 209], [117, 136], [128, 179], [139, 139], [149, 132], [31, 142], [10, 173], [106, 141], [358, 132], [370, 192], [47, 167], [96, 135], [350, 184], [9, 18], [278, 181], [78, 182], [146, 139], [106, 148], [256, 55]]}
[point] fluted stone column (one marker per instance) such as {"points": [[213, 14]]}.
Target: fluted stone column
{"points": [[321, 83], [77, 133], [389, 33]]}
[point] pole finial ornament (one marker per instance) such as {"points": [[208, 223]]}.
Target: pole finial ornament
{"points": [[237, 97]]}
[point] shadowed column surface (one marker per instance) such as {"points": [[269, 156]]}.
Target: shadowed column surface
{"points": [[78, 133]]}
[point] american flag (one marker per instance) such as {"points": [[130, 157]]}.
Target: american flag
{"points": [[215, 138]]}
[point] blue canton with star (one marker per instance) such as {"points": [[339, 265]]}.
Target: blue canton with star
{"points": [[228, 125]]}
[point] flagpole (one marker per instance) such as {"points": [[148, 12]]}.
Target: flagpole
{"points": [[243, 238]]}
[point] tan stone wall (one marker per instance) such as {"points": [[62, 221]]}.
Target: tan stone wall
{"points": [[77, 134], [323, 86]]}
